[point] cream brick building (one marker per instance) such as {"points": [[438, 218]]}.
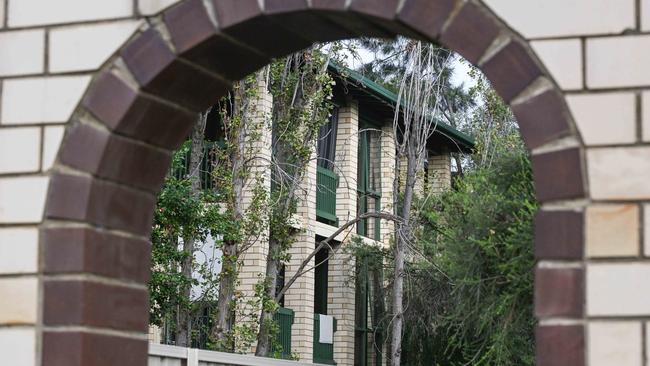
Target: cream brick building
{"points": [[352, 173], [96, 94]]}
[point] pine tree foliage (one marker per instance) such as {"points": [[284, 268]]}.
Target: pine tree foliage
{"points": [[470, 291]]}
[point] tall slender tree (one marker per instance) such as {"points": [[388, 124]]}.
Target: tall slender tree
{"points": [[418, 105], [183, 338], [301, 88], [236, 177], [390, 63]]}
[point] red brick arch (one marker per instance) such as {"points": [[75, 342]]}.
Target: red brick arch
{"points": [[94, 242]]}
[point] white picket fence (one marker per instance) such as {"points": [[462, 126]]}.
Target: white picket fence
{"points": [[161, 355]]}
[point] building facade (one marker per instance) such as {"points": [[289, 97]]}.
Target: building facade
{"points": [[352, 173]]}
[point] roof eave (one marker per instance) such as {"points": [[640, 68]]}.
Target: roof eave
{"points": [[382, 94]]}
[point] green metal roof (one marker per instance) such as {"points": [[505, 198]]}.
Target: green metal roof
{"points": [[387, 96]]}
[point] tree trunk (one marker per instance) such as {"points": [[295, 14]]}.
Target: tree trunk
{"points": [[403, 234], [184, 309], [264, 335], [273, 264], [183, 327], [223, 322]]}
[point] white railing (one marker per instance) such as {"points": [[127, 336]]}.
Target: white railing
{"points": [[161, 355]]}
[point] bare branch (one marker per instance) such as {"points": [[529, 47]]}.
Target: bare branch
{"points": [[325, 242]]}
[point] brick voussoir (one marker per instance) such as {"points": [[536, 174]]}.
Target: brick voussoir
{"points": [[354, 24], [109, 99], [559, 235], [560, 345], [92, 349], [543, 118], [121, 208], [160, 72], [471, 32], [147, 56], [141, 166], [93, 304], [383, 15], [311, 25], [426, 17], [259, 32], [381, 9], [189, 86], [198, 40], [129, 112], [558, 175], [234, 12], [158, 123], [83, 250], [86, 148], [106, 204], [284, 6], [334, 5], [97, 152], [559, 292], [68, 197], [297, 23], [188, 24], [511, 70]]}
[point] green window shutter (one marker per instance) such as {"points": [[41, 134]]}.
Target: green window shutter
{"points": [[326, 184], [361, 329], [362, 182], [326, 178], [368, 186], [377, 233], [284, 319]]}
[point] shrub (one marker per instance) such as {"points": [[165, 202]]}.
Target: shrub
{"points": [[470, 288]]}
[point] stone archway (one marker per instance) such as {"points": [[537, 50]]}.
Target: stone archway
{"points": [[141, 105]]}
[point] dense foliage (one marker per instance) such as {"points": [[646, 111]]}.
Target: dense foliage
{"points": [[469, 279], [471, 290], [469, 283], [179, 214], [472, 295]]}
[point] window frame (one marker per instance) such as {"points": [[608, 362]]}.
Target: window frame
{"points": [[364, 191]]}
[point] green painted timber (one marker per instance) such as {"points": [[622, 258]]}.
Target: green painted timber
{"points": [[364, 189], [326, 184], [284, 319], [323, 353], [381, 93]]}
